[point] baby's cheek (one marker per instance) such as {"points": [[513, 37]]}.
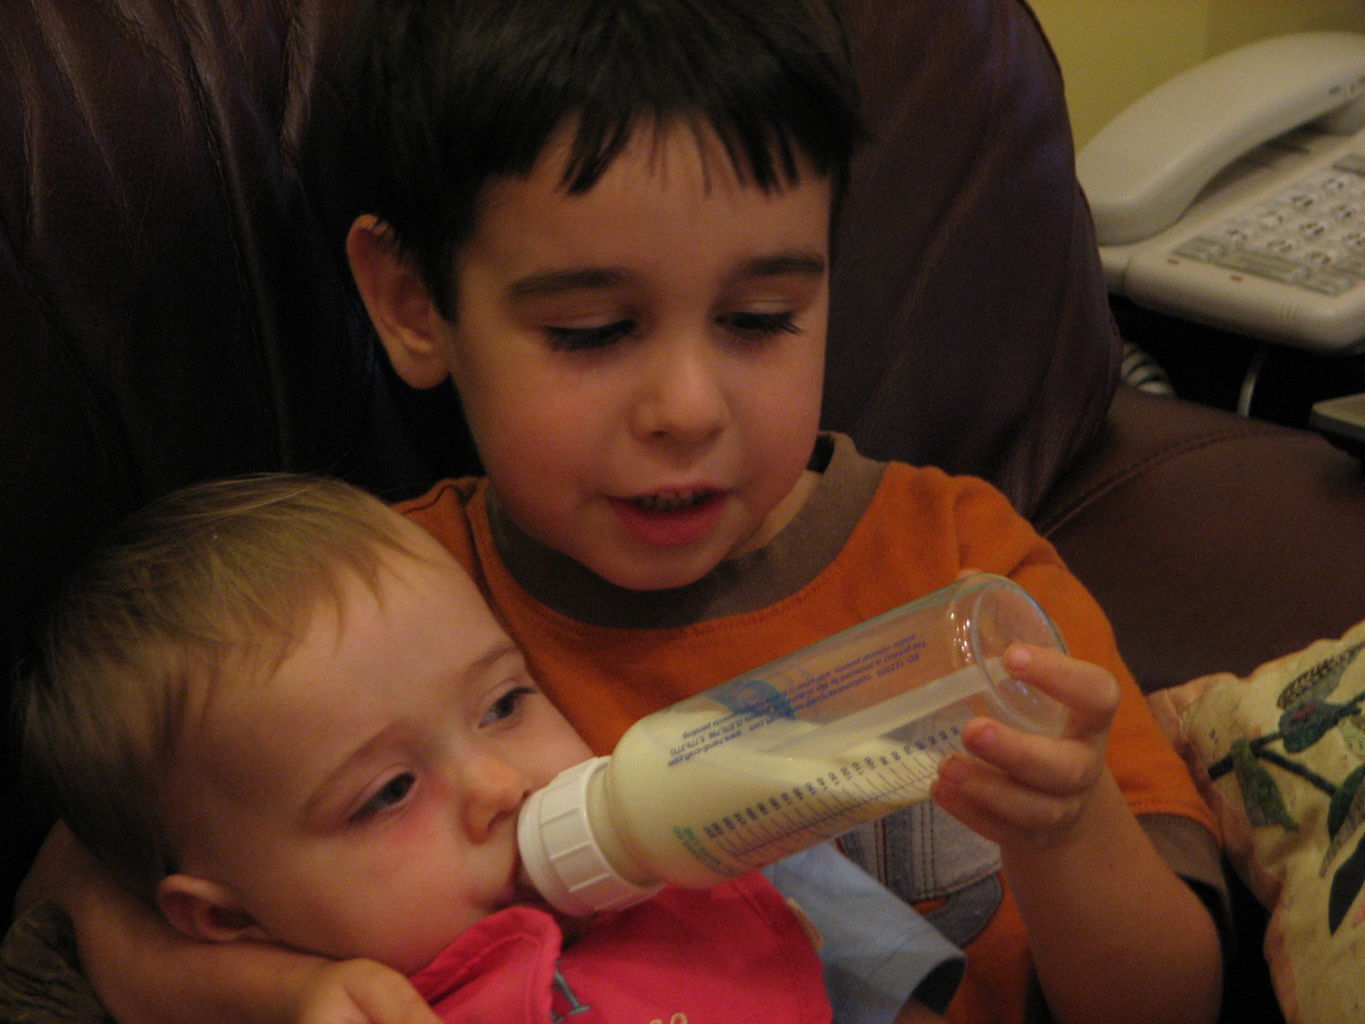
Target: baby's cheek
{"points": [[570, 751], [428, 825]]}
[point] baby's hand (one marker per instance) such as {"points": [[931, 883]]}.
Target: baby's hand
{"points": [[360, 992], [1022, 789]]}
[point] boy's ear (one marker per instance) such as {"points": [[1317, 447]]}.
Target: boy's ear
{"points": [[205, 910], [399, 305]]}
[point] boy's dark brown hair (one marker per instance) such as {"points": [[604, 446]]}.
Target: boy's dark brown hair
{"points": [[448, 95]]}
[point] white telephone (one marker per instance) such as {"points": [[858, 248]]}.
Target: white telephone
{"points": [[1234, 193]]}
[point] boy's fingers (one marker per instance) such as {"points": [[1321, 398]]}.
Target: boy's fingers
{"points": [[1023, 787], [1056, 767], [1088, 691], [997, 806]]}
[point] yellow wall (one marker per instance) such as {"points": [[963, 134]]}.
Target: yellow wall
{"points": [[1113, 51]]}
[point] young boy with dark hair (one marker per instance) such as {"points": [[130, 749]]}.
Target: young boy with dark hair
{"points": [[609, 225]]}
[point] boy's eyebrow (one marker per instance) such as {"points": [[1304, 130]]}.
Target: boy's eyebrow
{"points": [[801, 263], [573, 279]]}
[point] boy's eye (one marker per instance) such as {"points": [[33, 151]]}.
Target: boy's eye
{"points": [[576, 339], [507, 705], [388, 796], [758, 326], [748, 326]]}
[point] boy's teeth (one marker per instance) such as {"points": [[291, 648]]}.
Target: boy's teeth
{"points": [[668, 502]]}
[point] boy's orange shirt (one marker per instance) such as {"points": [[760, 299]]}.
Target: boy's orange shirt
{"points": [[919, 530]]}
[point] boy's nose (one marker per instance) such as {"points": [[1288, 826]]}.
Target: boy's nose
{"points": [[493, 789], [682, 397]]}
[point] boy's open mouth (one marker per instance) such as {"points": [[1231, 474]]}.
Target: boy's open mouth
{"points": [[671, 501], [671, 518]]}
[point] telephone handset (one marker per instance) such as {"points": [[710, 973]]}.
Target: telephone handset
{"points": [[1234, 193]]}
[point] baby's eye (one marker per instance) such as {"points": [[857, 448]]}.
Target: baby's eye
{"points": [[576, 339], [508, 704], [388, 796], [758, 326]]}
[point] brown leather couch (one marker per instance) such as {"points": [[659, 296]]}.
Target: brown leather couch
{"points": [[175, 306]]}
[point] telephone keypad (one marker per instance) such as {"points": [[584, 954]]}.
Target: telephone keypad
{"points": [[1311, 234]]}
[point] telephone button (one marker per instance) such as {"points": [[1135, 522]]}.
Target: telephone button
{"points": [[1271, 218], [1202, 248], [1302, 201], [1354, 163], [1328, 283], [1263, 264], [1353, 241]]}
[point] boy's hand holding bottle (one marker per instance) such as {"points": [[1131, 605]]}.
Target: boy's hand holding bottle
{"points": [[1088, 882], [1026, 790]]}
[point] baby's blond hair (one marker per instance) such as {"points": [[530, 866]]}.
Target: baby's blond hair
{"points": [[206, 586]]}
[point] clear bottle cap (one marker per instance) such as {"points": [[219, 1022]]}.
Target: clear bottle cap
{"points": [[560, 853]]}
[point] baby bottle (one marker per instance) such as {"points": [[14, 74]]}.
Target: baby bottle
{"points": [[795, 752]]}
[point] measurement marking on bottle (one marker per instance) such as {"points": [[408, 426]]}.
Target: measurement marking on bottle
{"points": [[830, 802]]}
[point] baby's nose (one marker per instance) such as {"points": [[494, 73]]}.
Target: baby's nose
{"points": [[493, 789]]}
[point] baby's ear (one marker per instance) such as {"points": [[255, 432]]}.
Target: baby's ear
{"points": [[398, 302], [204, 910]]}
